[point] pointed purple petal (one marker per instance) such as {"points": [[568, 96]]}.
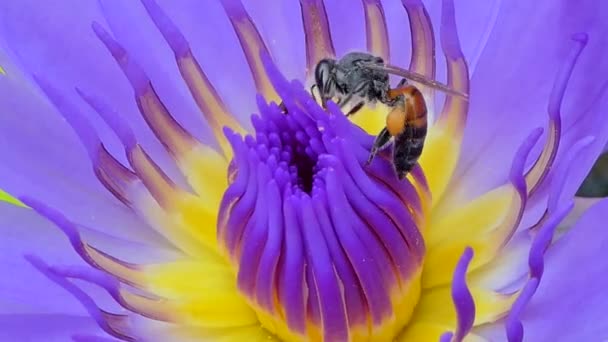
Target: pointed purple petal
{"points": [[569, 303], [463, 300], [527, 75]]}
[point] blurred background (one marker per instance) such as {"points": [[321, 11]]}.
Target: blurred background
{"points": [[596, 183]]}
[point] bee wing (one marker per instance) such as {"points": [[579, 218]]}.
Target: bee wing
{"points": [[416, 77]]}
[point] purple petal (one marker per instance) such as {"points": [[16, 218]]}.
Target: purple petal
{"points": [[474, 19], [334, 209], [544, 164], [112, 224], [281, 27], [520, 244], [463, 300], [515, 330], [45, 327], [446, 337], [347, 25], [90, 338], [251, 43], [376, 33], [569, 304], [24, 231], [280, 24], [68, 54], [591, 123], [114, 324], [536, 263], [291, 282], [518, 95], [332, 308], [204, 25], [40, 155]]}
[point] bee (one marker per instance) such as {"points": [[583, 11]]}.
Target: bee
{"points": [[360, 79]]}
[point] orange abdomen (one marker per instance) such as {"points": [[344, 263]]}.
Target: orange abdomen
{"points": [[407, 123]]}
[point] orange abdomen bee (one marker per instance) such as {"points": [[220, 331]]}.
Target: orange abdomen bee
{"points": [[407, 124], [360, 79]]}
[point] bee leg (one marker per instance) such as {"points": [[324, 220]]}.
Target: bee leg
{"points": [[402, 83], [405, 152], [355, 108], [312, 92], [382, 139], [283, 107], [343, 101]]}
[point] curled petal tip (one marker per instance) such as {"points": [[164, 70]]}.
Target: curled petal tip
{"points": [[519, 162], [461, 295], [581, 37], [56, 217], [448, 31], [38, 79], [132, 71], [45, 86], [411, 2], [116, 50], [539, 172], [563, 76], [35, 261], [515, 331], [39, 264], [172, 35], [97, 28], [232, 6], [73, 116], [111, 118], [29, 201], [513, 326], [81, 93], [467, 255], [110, 323], [536, 133], [543, 240]]}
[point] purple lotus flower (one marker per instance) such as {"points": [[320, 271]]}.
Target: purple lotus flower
{"points": [[177, 226]]}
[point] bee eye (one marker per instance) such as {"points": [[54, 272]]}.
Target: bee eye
{"points": [[323, 76]]}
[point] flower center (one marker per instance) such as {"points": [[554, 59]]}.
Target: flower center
{"points": [[304, 166], [325, 246]]}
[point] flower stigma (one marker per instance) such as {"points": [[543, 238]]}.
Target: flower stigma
{"points": [[324, 248]]}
